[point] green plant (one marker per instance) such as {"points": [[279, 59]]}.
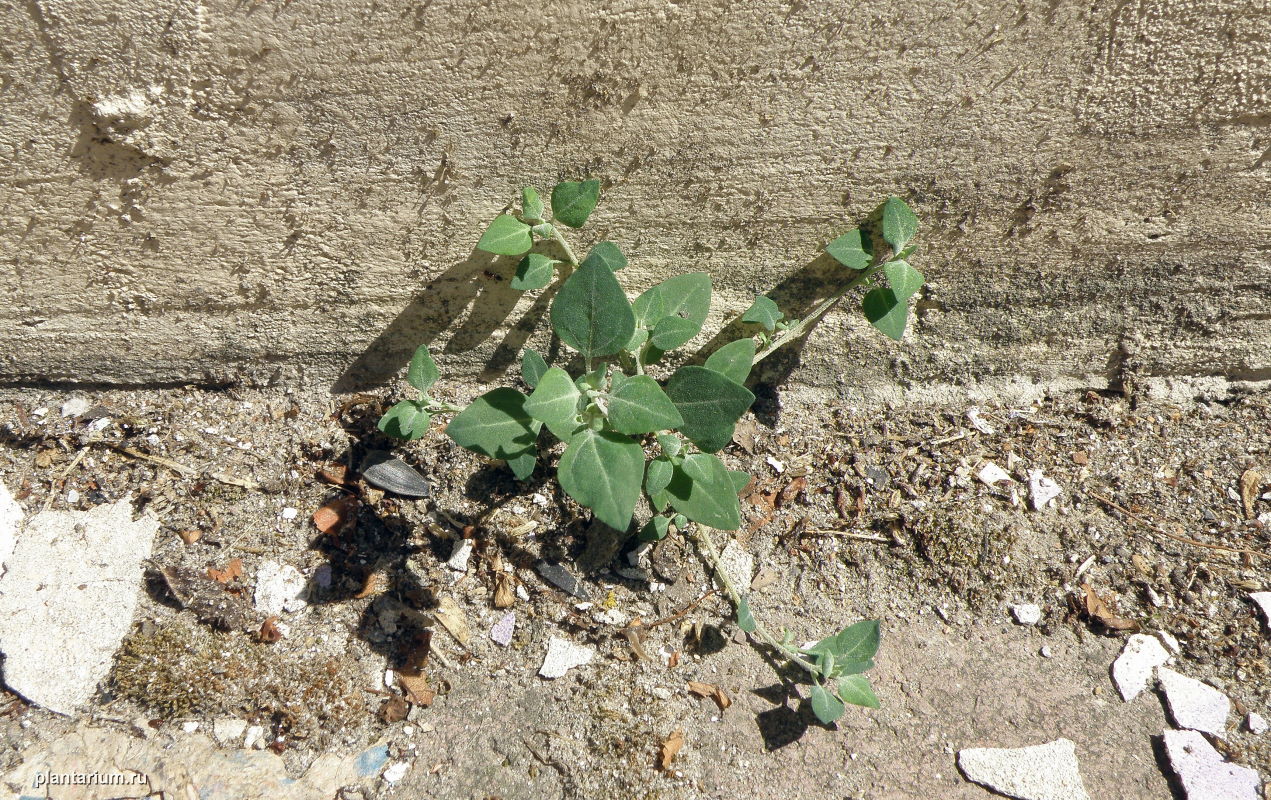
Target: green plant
{"points": [[612, 409]]}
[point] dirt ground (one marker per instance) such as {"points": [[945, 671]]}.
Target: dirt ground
{"points": [[853, 514]]}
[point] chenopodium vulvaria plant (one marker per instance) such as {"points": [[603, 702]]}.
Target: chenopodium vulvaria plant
{"points": [[627, 432]]}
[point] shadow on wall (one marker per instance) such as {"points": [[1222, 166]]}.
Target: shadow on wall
{"points": [[473, 299]]}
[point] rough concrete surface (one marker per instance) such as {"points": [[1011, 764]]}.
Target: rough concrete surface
{"points": [[290, 192]]}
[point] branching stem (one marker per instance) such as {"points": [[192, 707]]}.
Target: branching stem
{"points": [[802, 326]]}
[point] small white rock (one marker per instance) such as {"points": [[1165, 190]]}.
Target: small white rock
{"points": [[973, 414], [1042, 491], [562, 656], [1204, 774], [1256, 723], [611, 617], [776, 465], [522, 592], [1170, 641], [228, 731], [72, 497], [1133, 669], [254, 738], [278, 588], [1193, 704], [1046, 652], [289, 513], [396, 771], [501, 632], [460, 555], [737, 562], [991, 475], [190, 726], [1041, 772], [390, 679], [1026, 613], [75, 406], [539, 500]]}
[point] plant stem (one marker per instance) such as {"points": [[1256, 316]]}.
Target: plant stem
{"points": [[799, 328], [564, 245], [706, 546]]}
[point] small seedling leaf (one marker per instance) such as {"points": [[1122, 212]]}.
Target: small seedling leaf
{"points": [[555, 403], [899, 223], [858, 641], [609, 254], [531, 204], [733, 360], [745, 620], [740, 480], [670, 444], [855, 689], [763, 312], [657, 475], [702, 490], [825, 705], [573, 202], [522, 464], [496, 425], [710, 404], [532, 367], [683, 298], [886, 312], [654, 530], [905, 280], [506, 236], [591, 313], [423, 372], [852, 250], [603, 471], [638, 405], [534, 272], [406, 420]]}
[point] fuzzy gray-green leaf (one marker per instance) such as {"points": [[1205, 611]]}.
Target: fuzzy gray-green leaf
{"points": [[905, 281], [654, 530], [745, 620], [710, 404], [674, 310], [496, 425], [855, 689], [534, 272], [407, 420], [531, 204], [532, 367], [733, 360], [702, 490], [609, 254], [603, 471], [573, 201], [825, 705], [506, 236], [899, 223], [852, 250], [763, 312], [657, 475], [638, 405], [886, 312], [555, 403], [591, 313], [423, 372]]}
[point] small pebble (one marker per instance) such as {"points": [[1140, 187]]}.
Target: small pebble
{"points": [[396, 771], [1256, 723], [289, 513], [72, 497], [1046, 652], [1027, 613]]}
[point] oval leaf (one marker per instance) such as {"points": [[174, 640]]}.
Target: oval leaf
{"points": [[555, 403], [603, 471], [423, 372], [885, 312], [763, 312], [609, 254], [573, 202], [534, 272], [826, 706], [852, 250], [591, 314], [740, 480], [506, 236], [858, 641], [686, 299], [657, 475], [638, 405], [495, 425], [745, 620], [855, 689], [702, 490], [905, 280], [654, 530], [532, 367], [899, 223], [407, 420], [531, 204], [733, 360], [710, 404]]}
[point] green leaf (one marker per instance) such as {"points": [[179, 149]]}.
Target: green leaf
{"points": [[637, 340], [733, 360], [745, 620], [534, 272], [496, 425], [603, 470], [660, 500], [763, 312], [555, 403], [886, 312], [522, 464], [607, 253], [638, 405], [506, 236], [675, 309], [858, 641], [702, 490], [740, 480], [543, 230], [899, 223], [826, 706], [654, 530], [855, 689], [407, 420], [852, 666], [573, 202], [531, 204], [710, 404], [591, 314], [852, 250], [594, 379], [423, 372], [680, 521], [657, 475], [905, 280], [532, 367], [670, 444]]}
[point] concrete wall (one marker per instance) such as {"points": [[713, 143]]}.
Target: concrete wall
{"points": [[290, 191]]}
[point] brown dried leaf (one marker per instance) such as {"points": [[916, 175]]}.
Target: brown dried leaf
{"points": [[269, 632], [1250, 483], [395, 709], [334, 472], [375, 583], [841, 503], [190, 536], [453, 620], [335, 517], [504, 594], [232, 571], [1098, 611], [670, 748], [712, 691], [793, 489], [417, 689]]}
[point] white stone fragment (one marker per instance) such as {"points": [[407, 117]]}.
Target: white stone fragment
{"points": [[10, 521], [977, 422], [228, 731], [562, 656], [1193, 704], [1256, 723], [1042, 491], [254, 739], [738, 564], [501, 632], [1026, 613], [776, 465], [67, 599], [190, 726], [289, 513], [1263, 599], [459, 555], [1132, 671], [991, 475], [278, 588], [75, 406], [396, 771], [1204, 774], [1041, 772], [1170, 641]]}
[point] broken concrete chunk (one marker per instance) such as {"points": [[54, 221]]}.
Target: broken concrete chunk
{"points": [[501, 632], [229, 732], [278, 588], [396, 771], [1042, 491], [67, 599], [562, 579], [1256, 723], [562, 656], [1193, 704], [991, 475], [738, 564], [1204, 774], [1263, 599], [1041, 772], [1026, 613], [1132, 671], [10, 521], [460, 555]]}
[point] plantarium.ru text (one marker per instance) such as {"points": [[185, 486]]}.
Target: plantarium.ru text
{"points": [[626, 430]]}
